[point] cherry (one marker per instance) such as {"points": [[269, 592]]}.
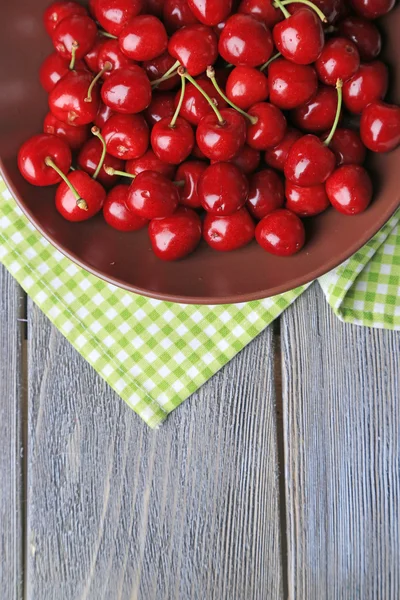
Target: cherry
{"points": [[126, 136], [143, 38], [177, 14], [113, 15], [53, 68], [195, 46], [57, 11], [221, 138], [81, 198], [74, 36], [152, 196], [75, 137], [306, 201], [318, 114], [339, 59], [332, 9], [32, 159], [172, 142], [195, 104], [103, 114], [246, 86], [247, 159], [380, 126], [110, 52], [117, 215], [222, 189], [91, 58], [176, 236], [210, 12], [197, 153], [309, 162], [229, 232], [149, 162], [281, 232], [189, 173], [267, 128], [67, 100], [162, 106], [265, 194], [370, 83], [262, 10], [127, 91], [245, 41], [156, 69], [276, 157], [347, 147], [349, 189], [364, 34], [291, 85], [300, 38], [92, 155], [372, 9]]}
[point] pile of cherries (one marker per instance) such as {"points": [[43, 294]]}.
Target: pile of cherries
{"points": [[203, 105]]}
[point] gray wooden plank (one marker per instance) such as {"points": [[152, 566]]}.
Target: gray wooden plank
{"points": [[121, 512], [342, 447], [11, 478]]}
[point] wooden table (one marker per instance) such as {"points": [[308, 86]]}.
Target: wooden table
{"points": [[279, 479]]}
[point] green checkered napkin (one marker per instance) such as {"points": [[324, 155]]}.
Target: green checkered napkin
{"points": [[155, 354]]}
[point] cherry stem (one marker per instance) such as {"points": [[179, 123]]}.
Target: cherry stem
{"points": [[207, 97], [211, 75], [80, 202], [111, 171], [96, 132], [107, 67], [167, 75], [274, 57], [75, 47], [179, 183], [181, 73], [282, 3], [339, 86], [108, 35]]}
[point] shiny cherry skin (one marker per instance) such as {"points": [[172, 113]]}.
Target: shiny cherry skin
{"points": [[210, 12], [195, 46], [229, 232], [67, 99], [372, 9], [57, 11], [127, 91], [221, 141], [189, 173], [347, 146], [222, 189], [291, 85], [156, 68], [143, 38], [103, 114], [306, 201], [91, 58], [309, 162], [89, 157], [53, 68], [110, 52], [247, 159], [245, 41], [113, 15], [32, 156], [364, 34], [177, 14], [126, 136], [150, 162], [349, 189], [276, 157], [117, 215], [162, 106], [265, 194], [172, 144], [300, 38], [89, 190], [246, 86], [380, 126], [176, 236], [152, 196], [262, 10], [339, 59], [332, 9], [195, 106], [370, 83], [75, 137], [318, 114], [269, 128], [77, 29], [281, 233]]}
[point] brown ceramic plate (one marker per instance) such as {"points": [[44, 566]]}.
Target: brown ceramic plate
{"points": [[125, 259]]}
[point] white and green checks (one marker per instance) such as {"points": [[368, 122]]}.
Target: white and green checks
{"points": [[155, 354]]}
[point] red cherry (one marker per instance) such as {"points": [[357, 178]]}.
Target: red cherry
{"points": [[127, 91], [221, 140], [276, 157], [76, 29], [380, 126], [67, 101], [291, 85], [190, 172], [176, 236], [197, 153], [152, 196], [57, 11], [262, 10], [281, 233], [91, 58], [153, 7], [75, 137], [332, 9], [372, 9], [162, 106], [318, 114], [89, 158], [195, 46], [195, 106], [247, 159], [90, 192], [370, 83], [172, 143], [349, 189], [300, 38], [246, 86], [32, 156], [229, 232], [269, 126], [143, 38], [339, 59], [364, 34], [53, 68], [103, 114], [149, 162], [265, 194], [222, 189], [126, 136], [347, 147], [157, 67], [309, 162], [245, 41], [113, 15], [306, 201], [117, 215], [210, 12], [177, 14], [110, 52]]}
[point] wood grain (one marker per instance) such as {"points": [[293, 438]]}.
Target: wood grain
{"points": [[11, 406], [342, 446], [119, 512]]}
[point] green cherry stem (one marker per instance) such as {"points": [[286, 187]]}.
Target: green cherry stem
{"points": [[75, 47], [278, 4], [206, 96], [282, 3], [339, 86], [107, 67], [181, 73], [96, 132], [167, 75], [274, 57], [211, 75], [111, 171], [80, 202], [107, 35]]}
